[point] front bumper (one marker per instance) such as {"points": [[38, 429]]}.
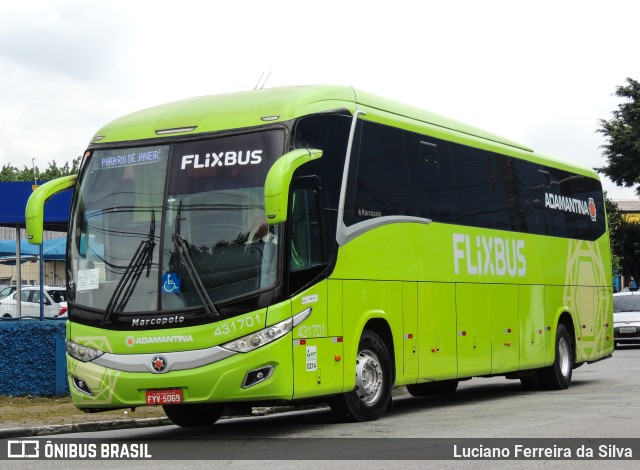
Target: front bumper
{"points": [[626, 333], [218, 382]]}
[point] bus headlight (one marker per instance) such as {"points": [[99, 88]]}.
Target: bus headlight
{"points": [[266, 335], [82, 353]]}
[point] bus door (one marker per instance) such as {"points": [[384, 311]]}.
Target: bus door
{"points": [[317, 342]]}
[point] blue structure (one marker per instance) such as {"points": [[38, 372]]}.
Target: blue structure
{"points": [[32, 358], [14, 198], [53, 250], [32, 353]]}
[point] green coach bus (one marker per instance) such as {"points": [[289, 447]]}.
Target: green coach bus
{"points": [[322, 243]]}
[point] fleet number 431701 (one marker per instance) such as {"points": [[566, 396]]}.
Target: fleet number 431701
{"points": [[238, 325]]}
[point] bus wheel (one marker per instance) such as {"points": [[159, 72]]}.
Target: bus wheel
{"points": [[558, 375], [191, 416], [442, 387], [6, 315], [372, 393]]}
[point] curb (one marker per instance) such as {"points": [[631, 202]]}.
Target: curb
{"points": [[83, 427]]}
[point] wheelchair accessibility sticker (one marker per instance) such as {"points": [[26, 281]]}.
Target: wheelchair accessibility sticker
{"points": [[170, 283]]}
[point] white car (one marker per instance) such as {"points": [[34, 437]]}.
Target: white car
{"points": [[53, 297], [626, 317], [6, 291]]}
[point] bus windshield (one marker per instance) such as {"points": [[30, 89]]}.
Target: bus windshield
{"points": [[167, 227]]}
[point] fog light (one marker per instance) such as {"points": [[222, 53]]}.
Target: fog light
{"points": [[256, 376], [81, 386]]}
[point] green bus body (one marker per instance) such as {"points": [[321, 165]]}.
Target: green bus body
{"points": [[451, 292]]}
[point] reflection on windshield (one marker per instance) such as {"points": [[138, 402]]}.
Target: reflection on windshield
{"points": [[113, 232], [131, 202], [232, 249]]}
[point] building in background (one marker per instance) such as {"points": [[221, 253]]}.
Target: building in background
{"points": [[630, 209], [53, 249], [14, 196]]}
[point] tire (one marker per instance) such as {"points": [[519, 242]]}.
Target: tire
{"points": [[192, 416], [6, 315], [374, 381], [558, 375], [442, 387]]}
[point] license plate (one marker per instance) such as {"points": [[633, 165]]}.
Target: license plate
{"points": [[627, 329], [164, 397]]}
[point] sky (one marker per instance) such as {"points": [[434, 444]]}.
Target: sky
{"points": [[541, 73]]}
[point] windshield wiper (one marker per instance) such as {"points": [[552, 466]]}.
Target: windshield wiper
{"points": [[183, 252], [141, 259]]}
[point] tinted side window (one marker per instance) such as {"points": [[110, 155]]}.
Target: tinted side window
{"points": [[306, 235], [480, 189], [381, 175], [457, 184], [573, 205], [433, 178], [531, 180], [505, 169], [329, 133]]}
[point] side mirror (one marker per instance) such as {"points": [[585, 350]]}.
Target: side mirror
{"points": [[276, 187], [34, 212]]}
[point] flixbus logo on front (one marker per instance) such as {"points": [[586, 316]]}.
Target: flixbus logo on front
{"points": [[213, 159], [488, 256]]}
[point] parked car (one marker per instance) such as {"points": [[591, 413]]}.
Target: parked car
{"points": [[63, 310], [53, 297], [6, 291], [626, 317]]}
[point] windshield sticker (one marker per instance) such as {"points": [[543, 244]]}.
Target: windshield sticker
{"points": [[170, 283], [88, 279], [141, 157]]}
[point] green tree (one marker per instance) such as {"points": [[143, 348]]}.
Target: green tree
{"points": [[614, 220], [622, 135], [12, 173], [625, 242], [53, 171], [8, 173]]}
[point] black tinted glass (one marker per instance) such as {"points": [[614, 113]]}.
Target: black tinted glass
{"points": [[379, 164]]}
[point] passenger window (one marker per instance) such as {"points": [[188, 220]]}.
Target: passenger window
{"points": [[480, 189], [306, 238], [433, 182], [382, 183]]}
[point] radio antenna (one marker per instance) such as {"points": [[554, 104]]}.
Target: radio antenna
{"points": [[265, 80], [258, 86]]}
